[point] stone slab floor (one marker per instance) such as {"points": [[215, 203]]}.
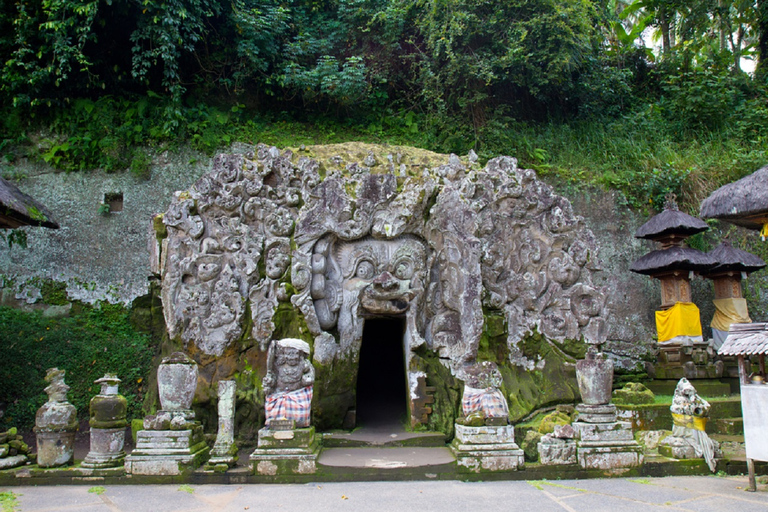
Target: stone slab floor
{"points": [[693, 493]]}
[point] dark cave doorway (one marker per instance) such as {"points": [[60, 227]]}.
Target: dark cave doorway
{"points": [[381, 378]]}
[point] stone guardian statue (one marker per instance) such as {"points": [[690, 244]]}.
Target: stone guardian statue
{"points": [[289, 382]]}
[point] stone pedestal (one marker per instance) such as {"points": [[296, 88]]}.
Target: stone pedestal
{"points": [[487, 448], [603, 442], [167, 452], [106, 448], [283, 450]]}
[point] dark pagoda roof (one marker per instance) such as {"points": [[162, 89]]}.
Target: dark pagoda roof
{"points": [[731, 258], [674, 258], [670, 221], [18, 209], [743, 202], [745, 340]]}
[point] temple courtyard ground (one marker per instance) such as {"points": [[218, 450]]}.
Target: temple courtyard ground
{"points": [[677, 493]]}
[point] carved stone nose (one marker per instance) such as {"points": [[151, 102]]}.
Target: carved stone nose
{"points": [[386, 282]]}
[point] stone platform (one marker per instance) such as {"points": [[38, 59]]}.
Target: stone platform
{"points": [[167, 452]]}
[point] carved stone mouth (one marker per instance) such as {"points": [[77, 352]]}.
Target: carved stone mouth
{"points": [[385, 302]]}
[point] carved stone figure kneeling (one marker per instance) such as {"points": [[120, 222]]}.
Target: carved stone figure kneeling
{"points": [[289, 382], [483, 403], [689, 416]]}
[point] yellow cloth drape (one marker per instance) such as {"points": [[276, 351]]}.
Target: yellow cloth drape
{"points": [[730, 311], [682, 319], [688, 421]]}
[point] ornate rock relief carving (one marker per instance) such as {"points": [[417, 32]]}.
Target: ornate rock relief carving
{"points": [[437, 248]]}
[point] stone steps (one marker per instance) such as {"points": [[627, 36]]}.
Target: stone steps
{"points": [[729, 426]]}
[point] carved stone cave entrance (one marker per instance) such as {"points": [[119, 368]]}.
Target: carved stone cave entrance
{"points": [[382, 391]]}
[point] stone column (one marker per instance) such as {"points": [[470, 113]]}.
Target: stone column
{"points": [[224, 453]]}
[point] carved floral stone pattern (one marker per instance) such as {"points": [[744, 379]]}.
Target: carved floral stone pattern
{"points": [[443, 248]]}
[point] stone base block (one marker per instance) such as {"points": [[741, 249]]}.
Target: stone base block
{"points": [[596, 413], [627, 455], [284, 439], [605, 432], [281, 464], [167, 452], [677, 452], [557, 452], [279, 452], [487, 448], [487, 434]]}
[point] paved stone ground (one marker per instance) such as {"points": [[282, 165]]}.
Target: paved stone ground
{"points": [[695, 493]]}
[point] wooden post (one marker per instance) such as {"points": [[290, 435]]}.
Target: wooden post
{"points": [[752, 482], [743, 370]]}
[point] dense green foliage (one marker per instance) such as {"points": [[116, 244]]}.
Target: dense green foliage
{"points": [[570, 87], [86, 344]]}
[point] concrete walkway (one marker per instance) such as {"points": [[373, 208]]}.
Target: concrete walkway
{"points": [[691, 493]]}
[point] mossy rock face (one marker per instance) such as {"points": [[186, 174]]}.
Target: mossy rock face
{"points": [[633, 393], [551, 420], [530, 445]]}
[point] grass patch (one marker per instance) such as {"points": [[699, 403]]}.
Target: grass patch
{"points": [[539, 484], [99, 490], [186, 488], [9, 501]]}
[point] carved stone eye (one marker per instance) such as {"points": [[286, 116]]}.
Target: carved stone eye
{"points": [[404, 269], [365, 270]]}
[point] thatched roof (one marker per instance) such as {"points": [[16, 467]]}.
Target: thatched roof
{"points": [[670, 221], [731, 258], [745, 339], [674, 258], [18, 209], [743, 202]]}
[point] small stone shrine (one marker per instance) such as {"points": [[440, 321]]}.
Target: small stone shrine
{"points": [[172, 442], [55, 424], [682, 350], [108, 423], [689, 417], [603, 442], [484, 438], [224, 452], [287, 443]]}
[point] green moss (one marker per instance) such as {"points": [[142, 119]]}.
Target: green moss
{"points": [[448, 391], [161, 231], [549, 422], [54, 292], [553, 381], [290, 323], [633, 393]]}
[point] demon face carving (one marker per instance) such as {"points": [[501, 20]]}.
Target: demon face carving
{"points": [[365, 278]]}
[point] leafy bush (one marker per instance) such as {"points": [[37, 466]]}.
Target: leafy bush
{"points": [[87, 345]]}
